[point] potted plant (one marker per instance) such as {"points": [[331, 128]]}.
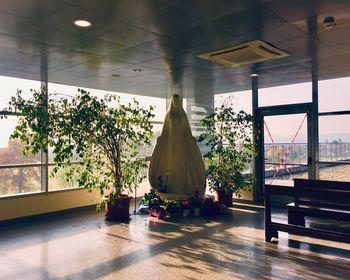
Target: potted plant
{"points": [[209, 207], [228, 137], [174, 208], [196, 202], [102, 133], [187, 207], [154, 204]]}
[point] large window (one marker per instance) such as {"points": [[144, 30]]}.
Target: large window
{"points": [[240, 100], [334, 95], [19, 174], [22, 174], [334, 129], [288, 94]]}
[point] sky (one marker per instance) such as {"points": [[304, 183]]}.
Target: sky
{"points": [[334, 95]]}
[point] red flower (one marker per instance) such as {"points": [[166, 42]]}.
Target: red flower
{"points": [[185, 202]]}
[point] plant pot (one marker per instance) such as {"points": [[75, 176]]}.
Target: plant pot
{"points": [[117, 209], [186, 213], [196, 211], [160, 214], [175, 214], [224, 198]]}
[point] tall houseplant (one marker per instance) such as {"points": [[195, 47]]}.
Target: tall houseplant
{"points": [[228, 138], [102, 133]]}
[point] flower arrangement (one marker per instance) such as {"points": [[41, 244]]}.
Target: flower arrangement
{"points": [[209, 207], [154, 204], [157, 207], [152, 200], [174, 208]]}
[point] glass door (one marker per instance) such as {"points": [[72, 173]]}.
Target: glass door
{"points": [[285, 148]]}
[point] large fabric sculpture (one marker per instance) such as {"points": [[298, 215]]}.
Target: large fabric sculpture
{"points": [[177, 170]]}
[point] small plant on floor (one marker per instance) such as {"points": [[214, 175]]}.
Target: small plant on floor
{"points": [[174, 208], [154, 203], [209, 207]]}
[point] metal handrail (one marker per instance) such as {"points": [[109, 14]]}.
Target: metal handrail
{"points": [[20, 165]]}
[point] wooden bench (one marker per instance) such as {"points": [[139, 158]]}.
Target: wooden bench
{"points": [[320, 207], [313, 198]]}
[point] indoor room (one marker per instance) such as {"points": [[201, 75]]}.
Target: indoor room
{"points": [[175, 139]]}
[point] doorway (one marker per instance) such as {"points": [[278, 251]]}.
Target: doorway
{"points": [[285, 143]]}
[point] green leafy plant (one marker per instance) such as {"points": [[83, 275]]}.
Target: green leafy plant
{"points": [[152, 201], [174, 208], [102, 133], [228, 137], [209, 207]]}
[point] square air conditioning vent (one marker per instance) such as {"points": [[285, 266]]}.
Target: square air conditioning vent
{"points": [[247, 53]]}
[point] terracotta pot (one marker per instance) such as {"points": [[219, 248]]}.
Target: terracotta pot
{"points": [[117, 209], [224, 198]]}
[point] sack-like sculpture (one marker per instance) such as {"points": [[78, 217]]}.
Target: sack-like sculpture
{"points": [[177, 169]]}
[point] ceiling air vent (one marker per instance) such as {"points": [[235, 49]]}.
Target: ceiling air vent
{"points": [[247, 53]]}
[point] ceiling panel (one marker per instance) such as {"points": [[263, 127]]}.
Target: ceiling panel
{"points": [[166, 46], [205, 38], [121, 10], [9, 24], [341, 16], [280, 33], [103, 64], [32, 10], [126, 34], [166, 21], [20, 74], [132, 55], [255, 21], [210, 9], [17, 56], [301, 9], [164, 38], [163, 63], [335, 37]]}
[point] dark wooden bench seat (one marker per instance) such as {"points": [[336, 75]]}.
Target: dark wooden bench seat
{"points": [[326, 207], [313, 198], [297, 212]]}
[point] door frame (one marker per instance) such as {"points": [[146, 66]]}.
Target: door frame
{"points": [[280, 110]]}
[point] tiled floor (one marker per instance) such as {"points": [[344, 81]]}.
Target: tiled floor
{"points": [[81, 245]]}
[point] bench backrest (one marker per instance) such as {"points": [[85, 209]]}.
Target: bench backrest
{"points": [[336, 201], [324, 184]]}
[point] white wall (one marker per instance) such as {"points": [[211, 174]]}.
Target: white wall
{"points": [[34, 204]]}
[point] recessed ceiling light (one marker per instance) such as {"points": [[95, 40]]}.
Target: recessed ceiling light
{"points": [[254, 75], [137, 70], [82, 23]]}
